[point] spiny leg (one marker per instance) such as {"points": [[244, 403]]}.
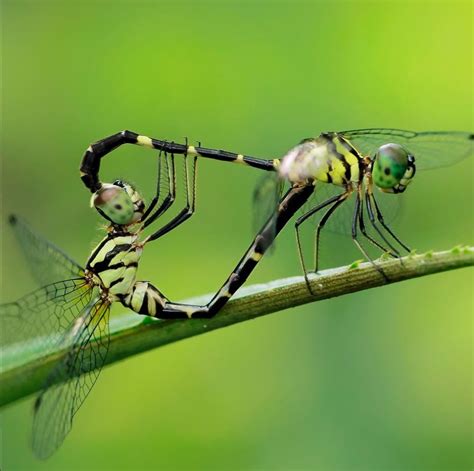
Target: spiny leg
{"points": [[355, 220], [374, 224], [392, 251], [169, 198], [382, 222], [370, 212], [90, 164], [343, 197], [189, 208], [300, 221], [156, 198]]}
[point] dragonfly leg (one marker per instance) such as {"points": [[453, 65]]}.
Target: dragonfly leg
{"points": [[370, 212], [167, 161], [298, 223], [355, 221], [343, 197], [384, 225], [391, 250], [169, 199], [187, 211]]}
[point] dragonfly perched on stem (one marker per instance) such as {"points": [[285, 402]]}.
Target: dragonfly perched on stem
{"points": [[354, 163], [74, 311]]}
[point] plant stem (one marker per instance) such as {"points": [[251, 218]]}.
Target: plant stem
{"points": [[131, 334]]}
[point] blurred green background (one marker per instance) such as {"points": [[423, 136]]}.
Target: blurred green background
{"points": [[376, 380]]}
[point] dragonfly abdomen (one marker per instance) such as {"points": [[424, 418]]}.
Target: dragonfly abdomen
{"points": [[144, 298]]}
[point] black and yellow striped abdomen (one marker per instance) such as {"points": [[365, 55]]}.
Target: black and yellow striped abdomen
{"points": [[115, 261], [329, 158]]}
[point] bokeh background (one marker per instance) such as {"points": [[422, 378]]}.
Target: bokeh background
{"points": [[376, 380]]}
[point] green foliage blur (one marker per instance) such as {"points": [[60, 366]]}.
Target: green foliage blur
{"points": [[376, 380]]}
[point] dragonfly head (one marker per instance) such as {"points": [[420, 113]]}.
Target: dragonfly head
{"points": [[393, 168], [119, 203]]}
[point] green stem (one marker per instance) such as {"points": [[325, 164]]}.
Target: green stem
{"points": [[131, 334]]}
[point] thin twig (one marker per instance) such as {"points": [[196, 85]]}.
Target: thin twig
{"points": [[132, 334]]}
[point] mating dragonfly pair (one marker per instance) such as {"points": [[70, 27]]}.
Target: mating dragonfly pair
{"points": [[72, 310]]}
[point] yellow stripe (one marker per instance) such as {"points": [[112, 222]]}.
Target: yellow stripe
{"points": [[240, 159], [109, 276], [129, 275], [355, 173], [128, 239], [151, 305], [192, 151], [108, 246], [351, 159], [338, 171], [103, 252], [158, 299], [144, 141], [129, 257], [322, 177], [138, 295], [188, 310]]}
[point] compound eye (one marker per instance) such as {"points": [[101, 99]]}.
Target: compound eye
{"points": [[115, 204], [390, 164]]}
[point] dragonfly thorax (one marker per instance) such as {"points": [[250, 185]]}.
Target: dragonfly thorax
{"points": [[329, 158], [114, 262]]}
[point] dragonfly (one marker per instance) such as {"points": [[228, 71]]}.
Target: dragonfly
{"points": [[70, 312], [352, 163]]}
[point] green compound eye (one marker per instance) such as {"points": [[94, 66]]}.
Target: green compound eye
{"points": [[115, 204], [390, 164]]}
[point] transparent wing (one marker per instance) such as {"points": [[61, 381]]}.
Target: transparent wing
{"points": [[340, 222], [45, 314], [432, 149], [266, 196], [47, 262], [72, 379]]}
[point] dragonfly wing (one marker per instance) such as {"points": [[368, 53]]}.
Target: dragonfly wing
{"points": [[266, 197], [45, 314], [47, 262], [70, 382], [340, 222], [431, 149]]}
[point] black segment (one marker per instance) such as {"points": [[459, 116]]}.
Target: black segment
{"points": [[90, 164]]}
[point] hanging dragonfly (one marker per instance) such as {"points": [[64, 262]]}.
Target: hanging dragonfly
{"points": [[70, 312], [350, 162]]}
